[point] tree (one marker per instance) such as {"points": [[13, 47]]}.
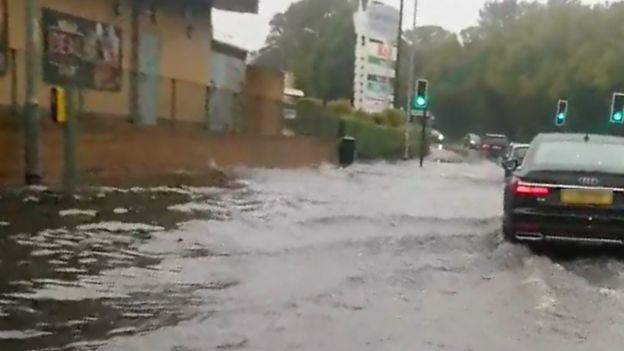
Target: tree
{"points": [[314, 39], [505, 74]]}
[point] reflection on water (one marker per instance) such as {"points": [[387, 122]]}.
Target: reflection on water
{"points": [[127, 269], [87, 281]]}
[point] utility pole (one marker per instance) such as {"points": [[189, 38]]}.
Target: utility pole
{"points": [[423, 139], [410, 83], [70, 168], [32, 129], [397, 64]]}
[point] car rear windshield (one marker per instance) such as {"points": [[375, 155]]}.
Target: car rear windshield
{"points": [[579, 156], [496, 140], [519, 152]]}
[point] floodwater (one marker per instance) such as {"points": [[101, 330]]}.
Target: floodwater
{"points": [[374, 257]]}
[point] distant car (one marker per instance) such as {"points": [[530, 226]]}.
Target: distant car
{"points": [[570, 189], [472, 141], [515, 152], [494, 146], [436, 136]]}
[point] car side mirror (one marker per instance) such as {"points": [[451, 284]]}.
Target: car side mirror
{"points": [[511, 165]]}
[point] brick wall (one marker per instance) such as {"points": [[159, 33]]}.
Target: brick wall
{"points": [[113, 149]]}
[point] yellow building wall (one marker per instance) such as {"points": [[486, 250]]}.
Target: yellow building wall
{"points": [[264, 90], [5, 88], [109, 103], [16, 42], [184, 59]]}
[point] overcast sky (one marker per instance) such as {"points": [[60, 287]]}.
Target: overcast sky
{"points": [[249, 31]]}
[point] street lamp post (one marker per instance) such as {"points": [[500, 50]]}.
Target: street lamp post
{"points": [[410, 83], [32, 130], [397, 64]]}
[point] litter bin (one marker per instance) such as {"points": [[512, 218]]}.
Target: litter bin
{"points": [[346, 153]]}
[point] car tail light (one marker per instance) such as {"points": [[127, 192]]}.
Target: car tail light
{"points": [[529, 190], [486, 146], [527, 227]]}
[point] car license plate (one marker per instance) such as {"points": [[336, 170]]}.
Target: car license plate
{"points": [[497, 147], [587, 197]]}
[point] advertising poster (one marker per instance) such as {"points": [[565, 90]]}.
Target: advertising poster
{"points": [[81, 51]]}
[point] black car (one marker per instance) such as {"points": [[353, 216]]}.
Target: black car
{"points": [[494, 146], [570, 189]]}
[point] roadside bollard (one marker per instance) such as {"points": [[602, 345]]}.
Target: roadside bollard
{"points": [[346, 153]]}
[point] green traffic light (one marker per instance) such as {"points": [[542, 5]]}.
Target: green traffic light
{"points": [[561, 117], [421, 101], [618, 117]]}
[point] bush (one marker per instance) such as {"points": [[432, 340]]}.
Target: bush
{"points": [[340, 107], [395, 117], [314, 120], [362, 116], [309, 102], [380, 142], [380, 119]]}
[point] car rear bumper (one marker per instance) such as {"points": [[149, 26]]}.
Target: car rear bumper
{"points": [[531, 225], [493, 154]]}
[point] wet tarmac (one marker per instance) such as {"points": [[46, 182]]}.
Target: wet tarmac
{"points": [[374, 257]]}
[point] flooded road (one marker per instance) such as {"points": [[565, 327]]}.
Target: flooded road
{"points": [[374, 257]]}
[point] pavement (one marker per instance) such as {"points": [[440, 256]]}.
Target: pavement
{"points": [[384, 256]]}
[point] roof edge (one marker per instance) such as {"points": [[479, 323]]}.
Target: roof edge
{"points": [[245, 6]]}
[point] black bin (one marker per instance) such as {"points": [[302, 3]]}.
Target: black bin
{"points": [[346, 152]]}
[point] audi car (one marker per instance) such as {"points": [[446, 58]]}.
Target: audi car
{"points": [[570, 189]]}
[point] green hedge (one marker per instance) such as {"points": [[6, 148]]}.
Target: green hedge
{"points": [[313, 120], [380, 142], [374, 141]]}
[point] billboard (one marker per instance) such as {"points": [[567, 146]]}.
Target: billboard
{"points": [[4, 37], [376, 27], [81, 51], [377, 83], [383, 21]]}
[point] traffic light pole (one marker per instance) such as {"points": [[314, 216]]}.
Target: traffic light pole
{"points": [[423, 138], [32, 129], [410, 85], [397, 64], [70, 169]]}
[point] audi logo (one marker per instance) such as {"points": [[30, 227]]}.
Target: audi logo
{"points": [[589, 181]]}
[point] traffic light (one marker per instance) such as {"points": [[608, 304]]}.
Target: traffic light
{"points": [[617, 109], [421, 100], [562, 113]]}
